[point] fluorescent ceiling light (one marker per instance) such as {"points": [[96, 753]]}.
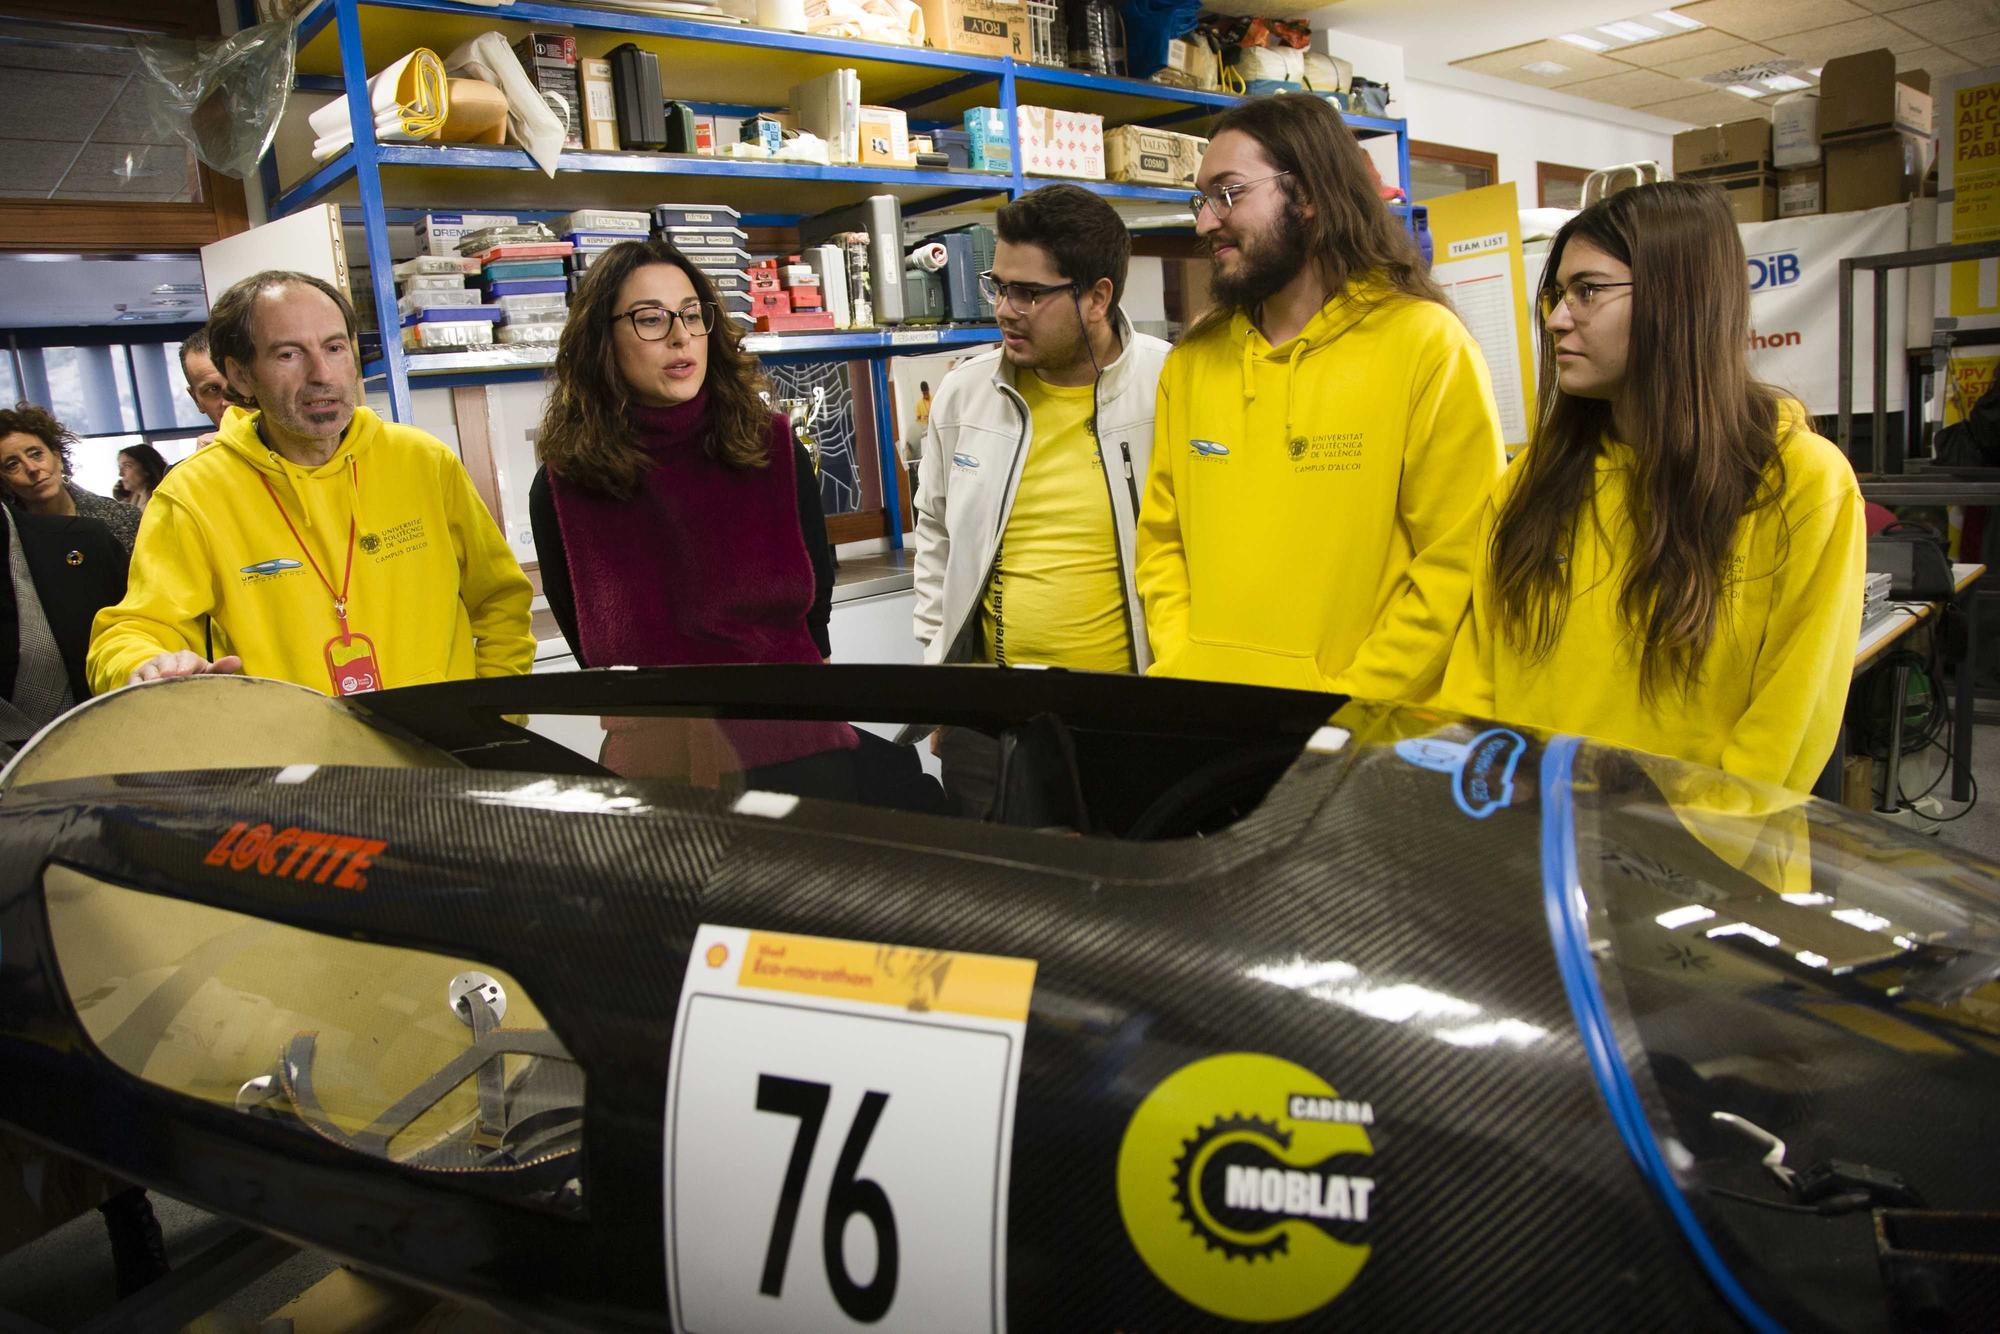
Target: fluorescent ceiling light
{"points": [[1786, 83], [1745, 90], [1548, 69], [1811, 960], [1630, 30], [1677, 917], [1587, 43], [1744, 929], [1681, 21], [1814, 71]]}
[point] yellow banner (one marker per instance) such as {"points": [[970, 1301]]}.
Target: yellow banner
{"points": [[1971, 140], [1971, 377], [899, 977]]}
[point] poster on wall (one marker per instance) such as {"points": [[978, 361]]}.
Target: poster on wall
{"points": [[915, 382], [820, 399], [1968, 124], [1795, 297], [1476, 240]]}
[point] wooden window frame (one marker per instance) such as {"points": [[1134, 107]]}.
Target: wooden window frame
{"points": [[109, 226], [1457, 157], [1547, 173]]}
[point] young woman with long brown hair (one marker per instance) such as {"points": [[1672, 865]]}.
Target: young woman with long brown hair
{"points": [[1675, 562], [677, 522]]}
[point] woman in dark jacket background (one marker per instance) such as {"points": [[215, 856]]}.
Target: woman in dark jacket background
{"points": [[677, 523]]}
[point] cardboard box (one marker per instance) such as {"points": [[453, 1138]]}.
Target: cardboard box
{"points": [[1140, 156], [977, 27], [885, 137], [988, 147], [1795, 131], [1723, 150], [600, 112], [549, 60], [1752, 196], [1061, 143], [1863, 94], [1873, 170], [1802, 191]]}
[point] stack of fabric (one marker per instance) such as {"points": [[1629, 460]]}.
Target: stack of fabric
{"points": [[410, 99]]}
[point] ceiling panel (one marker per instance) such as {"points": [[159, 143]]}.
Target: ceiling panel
{"points": [[1635, 88], [1726, 57], [1758, 19], [1676, 50], [129, 122], [1981, 51], [1949, 21], [1887, 6], [1934, 61], [1578, 64], [1844, 39], [27, 46], [1710, 109], [45, 104]]}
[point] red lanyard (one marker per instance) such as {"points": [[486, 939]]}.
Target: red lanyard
{"points": [[339, 598]]}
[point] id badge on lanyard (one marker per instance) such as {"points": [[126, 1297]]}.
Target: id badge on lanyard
{"points": [[352, 665]]}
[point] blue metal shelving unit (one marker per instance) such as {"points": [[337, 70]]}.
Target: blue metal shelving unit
{"points": [[365, 162]]}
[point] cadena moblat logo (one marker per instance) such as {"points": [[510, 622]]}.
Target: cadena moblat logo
{"points": [[1244, 1183]]}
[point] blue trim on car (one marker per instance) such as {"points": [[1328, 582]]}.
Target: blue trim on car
{"points": [[1562, 897]]}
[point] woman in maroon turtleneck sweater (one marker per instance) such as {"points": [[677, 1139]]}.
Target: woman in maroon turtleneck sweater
{"points": [[678, 523]]}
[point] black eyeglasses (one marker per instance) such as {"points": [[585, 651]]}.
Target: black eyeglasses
{"points": [[1021, 296], [654, 323], [1577, 295]]}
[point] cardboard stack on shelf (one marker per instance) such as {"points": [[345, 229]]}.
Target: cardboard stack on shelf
{"points": [[1139, 155], [1874, 130], [1736, 159], [521, 270], [713, 239], [1061, 143]]}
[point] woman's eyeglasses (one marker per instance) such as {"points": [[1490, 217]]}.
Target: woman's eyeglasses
{"points": [[1021, 296], [654, 323], [1578, 296]]}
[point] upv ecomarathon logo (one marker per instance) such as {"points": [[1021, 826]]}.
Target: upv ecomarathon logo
{"points": [[1244, 1183]]}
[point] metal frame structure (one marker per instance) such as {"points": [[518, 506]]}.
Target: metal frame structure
{"points": [[366, 160], [1881, 266]]}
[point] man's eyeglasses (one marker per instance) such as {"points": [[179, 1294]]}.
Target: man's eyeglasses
{"points": [[1578, 296], [1225, 197], [654, 323], [1021, 296]]}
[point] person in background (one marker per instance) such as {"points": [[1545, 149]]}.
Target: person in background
{"points": [[1320, 431], [35, 474], [1675, 563], [140, 469], [62, 569], [205, 384], [677, 522], [315, 542], [1029, 491]]}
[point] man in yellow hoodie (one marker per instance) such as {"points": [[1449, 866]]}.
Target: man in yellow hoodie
{"points": [[314, 542], [1317, 433]]}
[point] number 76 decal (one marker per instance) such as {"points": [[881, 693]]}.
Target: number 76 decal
{"points": [[848, 1195]]}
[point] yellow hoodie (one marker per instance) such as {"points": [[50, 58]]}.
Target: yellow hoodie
{"points": [[1292, 488], [217, 570], [1768, 700]]}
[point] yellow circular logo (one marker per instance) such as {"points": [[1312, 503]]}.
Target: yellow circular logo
{"points": [[1244, 1183]]}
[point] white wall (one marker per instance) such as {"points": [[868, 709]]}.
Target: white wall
{"points": [[1523, 135], [1520, 133]]}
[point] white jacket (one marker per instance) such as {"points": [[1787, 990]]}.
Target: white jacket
{"points": [[973, 453]]}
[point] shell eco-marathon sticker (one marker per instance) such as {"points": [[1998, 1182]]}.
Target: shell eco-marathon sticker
{"points": [[1244, 1183], [1481, 770]]}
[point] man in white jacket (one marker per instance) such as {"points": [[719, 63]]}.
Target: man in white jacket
{"points": [[1028, 489]]}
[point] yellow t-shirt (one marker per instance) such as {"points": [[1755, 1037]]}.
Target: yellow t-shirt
{"points": [[1056, 597]]}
